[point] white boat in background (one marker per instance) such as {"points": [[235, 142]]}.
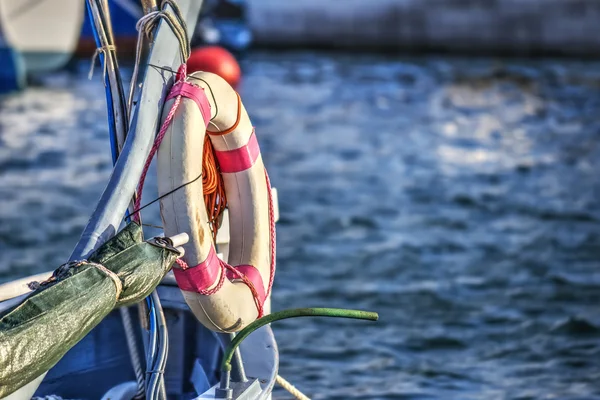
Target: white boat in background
{"points": [[43, 32]]}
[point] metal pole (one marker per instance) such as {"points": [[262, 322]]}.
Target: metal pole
{"points": [[237, 371], [149, 6]]}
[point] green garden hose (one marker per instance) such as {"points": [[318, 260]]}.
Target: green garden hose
{"points": [[294, 313]]}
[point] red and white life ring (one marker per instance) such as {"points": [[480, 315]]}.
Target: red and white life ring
{"points": [[224, 297]]}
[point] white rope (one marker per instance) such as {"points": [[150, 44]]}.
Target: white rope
{"points": [[56, 276], [146, 25], [291, 388], [99, 50], [116, 280], [142, 23]]}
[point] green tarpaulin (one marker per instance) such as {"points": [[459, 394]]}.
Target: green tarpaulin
{"points": [[37, 333]]}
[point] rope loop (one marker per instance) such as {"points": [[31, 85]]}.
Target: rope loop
{"points": [[62, 272], [145, 27], [174, 18], [97, 52]]}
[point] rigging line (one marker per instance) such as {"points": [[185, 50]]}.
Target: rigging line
{"points": [[163, 68], [211, 94], [153, 226], [165, 195]]}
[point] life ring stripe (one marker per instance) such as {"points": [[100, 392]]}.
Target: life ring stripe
{"points": [[253, 276], [204, 275], [200, 277], [192, 92], [238, 160]]}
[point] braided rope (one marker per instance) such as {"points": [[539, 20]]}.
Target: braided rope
{"points": [[183, 265], [273, 236], [60, 271], [291, 388], [255, 296], [161, 134], [224, 266], [116, 280]]}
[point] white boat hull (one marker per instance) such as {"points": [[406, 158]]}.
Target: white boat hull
{"points": [[44, 32]]}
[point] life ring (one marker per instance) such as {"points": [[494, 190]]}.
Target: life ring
{"points": [[223, 297]]}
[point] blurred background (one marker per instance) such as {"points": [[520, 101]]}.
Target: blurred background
{"points": [[436, 161]]}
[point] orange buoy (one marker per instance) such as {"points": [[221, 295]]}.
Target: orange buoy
{"points": [[217, 60]]}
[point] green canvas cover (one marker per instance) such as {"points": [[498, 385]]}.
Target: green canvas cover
{"points": [[37, 333]]}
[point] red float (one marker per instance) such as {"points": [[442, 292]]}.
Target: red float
{"points": [[217, 60]]}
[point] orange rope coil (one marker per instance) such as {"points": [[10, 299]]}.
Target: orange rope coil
{"points": [[213, 187]]}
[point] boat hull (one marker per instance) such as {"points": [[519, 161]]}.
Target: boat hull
{"points": [[101, 360], [45, 32], [12, 70]]}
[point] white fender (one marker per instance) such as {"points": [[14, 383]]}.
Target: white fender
{"points": [[232, 306]]}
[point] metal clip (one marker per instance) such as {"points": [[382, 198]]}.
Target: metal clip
{"points": [[163, 243], [171, 243]]}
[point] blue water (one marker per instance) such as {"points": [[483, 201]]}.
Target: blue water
{"points": [[459, 198]]}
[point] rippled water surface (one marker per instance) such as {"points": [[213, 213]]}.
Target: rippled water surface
{"points": [[458, 198]]}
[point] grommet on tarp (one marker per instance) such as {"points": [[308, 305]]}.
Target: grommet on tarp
{"points": [[173, 243]]}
